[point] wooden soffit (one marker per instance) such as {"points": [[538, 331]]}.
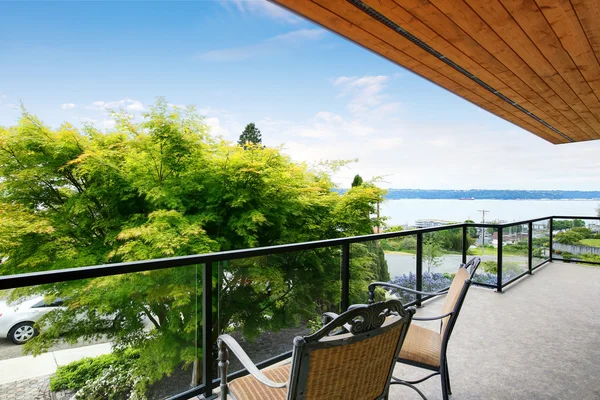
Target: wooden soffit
{"points": [[532, 62]]}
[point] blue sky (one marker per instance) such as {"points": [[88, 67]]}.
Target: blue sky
{"points": [[317, 95]]}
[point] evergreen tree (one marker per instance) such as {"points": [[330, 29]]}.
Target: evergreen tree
{"points": [[357, 181], [251, 134]]}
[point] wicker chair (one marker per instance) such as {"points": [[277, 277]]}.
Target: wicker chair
{"points": [[354, 364], [424, 347]]}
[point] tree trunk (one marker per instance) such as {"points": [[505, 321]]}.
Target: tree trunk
{"points": [[196, 373]]}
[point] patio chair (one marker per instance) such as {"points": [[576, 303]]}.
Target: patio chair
{"points": [[424, 347], [354, 364]]}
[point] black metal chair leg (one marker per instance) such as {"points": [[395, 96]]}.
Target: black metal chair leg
{"points": [[444, 379], [448, 379]]}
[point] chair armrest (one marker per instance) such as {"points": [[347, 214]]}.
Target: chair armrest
{"points": [[247, 363], [432, 318], [392, 285]]}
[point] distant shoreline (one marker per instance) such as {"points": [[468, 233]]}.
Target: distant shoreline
{"points": [[440, 198], [488, 194]]}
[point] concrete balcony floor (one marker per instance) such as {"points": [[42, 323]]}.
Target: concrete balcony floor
{"points": [[540, 339]]}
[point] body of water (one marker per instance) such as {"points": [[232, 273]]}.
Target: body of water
{"points": [[400, 264], [407, 211]]}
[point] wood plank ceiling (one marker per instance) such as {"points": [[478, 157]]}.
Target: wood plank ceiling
{"points": [[532, 62]]}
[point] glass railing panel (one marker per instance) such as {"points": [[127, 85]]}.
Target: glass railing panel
{"points": [[576, 239], [485, 247], [124, 334], [265, 302], [515, 251], [540, 241], [442, 256], [400, 257]]}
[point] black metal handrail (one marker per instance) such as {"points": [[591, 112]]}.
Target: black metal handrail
{"points": [[207, 260]]}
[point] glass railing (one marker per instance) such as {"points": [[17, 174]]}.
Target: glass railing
{"points": [[515, 251], [576, 239], [167, 313]]}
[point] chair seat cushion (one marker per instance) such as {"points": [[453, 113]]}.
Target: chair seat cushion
{"points": [[248, 388], [422, 345]]}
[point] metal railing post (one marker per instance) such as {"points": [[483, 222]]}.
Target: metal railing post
{"points": [[499, 273], [465, 244], [530, 247], [419, 275], [207, 326], [345, 267], [551, 234]]}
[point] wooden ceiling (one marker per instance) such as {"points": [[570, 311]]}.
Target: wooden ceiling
{"points": [[532, 62]]}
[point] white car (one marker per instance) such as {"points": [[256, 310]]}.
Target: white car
{"points": [[17, 320]]}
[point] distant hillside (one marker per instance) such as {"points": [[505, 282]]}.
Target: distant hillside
{"points": [[480, 194]]}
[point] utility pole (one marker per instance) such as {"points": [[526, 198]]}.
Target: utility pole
{"points": [[483, 230], [378, 216]]}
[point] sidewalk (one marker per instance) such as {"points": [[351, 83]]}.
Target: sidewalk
{"points": [[28, 367]]}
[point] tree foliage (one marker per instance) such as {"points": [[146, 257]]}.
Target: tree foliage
{"points": [[164, 187], [250, 135], [568, 237], [471, 230], [357, 181]]}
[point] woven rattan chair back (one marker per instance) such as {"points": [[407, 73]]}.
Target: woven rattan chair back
{"points": [[456, 294], [353, 365]]}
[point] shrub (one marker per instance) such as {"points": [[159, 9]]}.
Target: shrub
{"points": [[408, 243], [432, 282], [117, 382], [590, 257], [585, 232], [492, 278], [566, 255], [518, 248], [568, 237], [75, 375], [491, 267]]}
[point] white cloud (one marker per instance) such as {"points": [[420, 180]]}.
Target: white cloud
{"points": [[263, 8], [109, 123], [299, 35], [125, 104], [365, 94], [267, 46], [432, 153], [67, 106], [216, 129]]}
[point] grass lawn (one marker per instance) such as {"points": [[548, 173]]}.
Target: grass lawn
{"points": [[488, 251], [590, 242]]}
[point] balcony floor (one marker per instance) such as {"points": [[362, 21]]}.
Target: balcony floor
{"points": [[540, 339]]}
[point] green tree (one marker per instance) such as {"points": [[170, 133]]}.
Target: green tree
{"points": [[585, 232], [471, 230], [562, 224], [568, 237], [357, 181], [432, 255], [161, 188], [578, 223], [250, 135]]}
